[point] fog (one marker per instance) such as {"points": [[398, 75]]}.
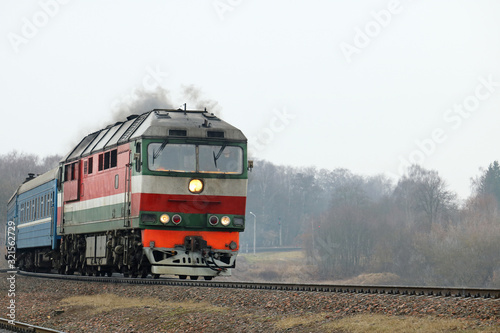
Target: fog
{"points": [[372, 86]]}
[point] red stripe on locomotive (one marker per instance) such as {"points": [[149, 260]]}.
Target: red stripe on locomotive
{"points": [[209, 204]]}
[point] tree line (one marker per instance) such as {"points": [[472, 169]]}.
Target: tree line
{"points": [[350, 224]]}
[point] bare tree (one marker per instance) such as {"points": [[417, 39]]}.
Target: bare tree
{"points": [[424, 196]]}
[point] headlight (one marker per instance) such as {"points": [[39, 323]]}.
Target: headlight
{"points": [[225, 221], [195, 186], [164, 218]]}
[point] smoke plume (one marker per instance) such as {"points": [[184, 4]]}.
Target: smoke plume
{"points": [[195, 100], [141, 101]]}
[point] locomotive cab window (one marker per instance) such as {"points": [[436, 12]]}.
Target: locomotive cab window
{"points": [[220, 159], [172, 157]]}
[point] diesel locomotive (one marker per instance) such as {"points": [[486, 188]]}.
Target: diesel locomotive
{"points": [[160, 193]]}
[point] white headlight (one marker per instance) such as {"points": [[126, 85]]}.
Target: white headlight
{"points": [[225, 221], [164, 218], [195, 186]]}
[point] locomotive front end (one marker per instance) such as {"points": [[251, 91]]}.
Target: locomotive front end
{"points": [[189, 191]]}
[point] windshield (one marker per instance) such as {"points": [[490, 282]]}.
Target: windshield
{"points": [[195, 158]]}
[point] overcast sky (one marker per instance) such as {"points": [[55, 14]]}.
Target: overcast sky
{"points": [[371, 86]]}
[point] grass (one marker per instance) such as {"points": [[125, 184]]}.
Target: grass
{"points": [[109, 302], [366, 323], [273, 266], [263, 257], [292, 267], [307, 320]]}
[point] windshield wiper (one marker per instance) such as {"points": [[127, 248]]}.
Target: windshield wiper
{"points": [[157, 153], [218, 154]]}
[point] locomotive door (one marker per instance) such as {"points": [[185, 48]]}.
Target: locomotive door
{"points": [[71, 182], [71, 190]]}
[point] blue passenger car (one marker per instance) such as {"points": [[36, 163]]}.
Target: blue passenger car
{"points": [[33, 208]]}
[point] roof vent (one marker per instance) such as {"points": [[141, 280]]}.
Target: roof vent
{"points": [[162, 115], [210, 116], [174, 132], [215, 134], [31, 176]]}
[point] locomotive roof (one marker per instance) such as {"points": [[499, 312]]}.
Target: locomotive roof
{"points": [[157, 123]]}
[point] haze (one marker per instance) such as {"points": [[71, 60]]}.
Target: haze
{"points": [[371, 86]]}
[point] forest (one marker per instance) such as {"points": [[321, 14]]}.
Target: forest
{"points": [[349, 224]]}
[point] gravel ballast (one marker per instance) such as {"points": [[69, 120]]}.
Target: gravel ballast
{"points": [[108, 307]]}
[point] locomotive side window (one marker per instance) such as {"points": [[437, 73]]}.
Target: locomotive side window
{"points": [[70, 171], [90, 167], [101, 162], [108, 160], [114, 158], [138, 160]]}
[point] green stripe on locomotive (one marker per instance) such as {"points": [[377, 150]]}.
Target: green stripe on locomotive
{"points": [[97, 219], [200, 222]]}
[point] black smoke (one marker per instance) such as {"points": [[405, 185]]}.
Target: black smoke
{"points": [[141, 101], [194, 99]]}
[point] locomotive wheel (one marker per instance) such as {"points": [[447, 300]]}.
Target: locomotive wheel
{"points": [[182, 277], [144, 273], [208, 278], [110, 273], [194, 277], [156, 276]]}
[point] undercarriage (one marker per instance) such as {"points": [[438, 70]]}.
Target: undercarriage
{"points": [[123, 252]]}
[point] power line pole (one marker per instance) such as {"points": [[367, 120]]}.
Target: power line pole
{"points": [[254, 230], [279, 222]]}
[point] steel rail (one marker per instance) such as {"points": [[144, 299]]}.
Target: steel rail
{"points": [[389, 290], [16, 326]]}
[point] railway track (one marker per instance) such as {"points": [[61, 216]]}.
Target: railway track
{"points": [[389, 290], [16, 326]]}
